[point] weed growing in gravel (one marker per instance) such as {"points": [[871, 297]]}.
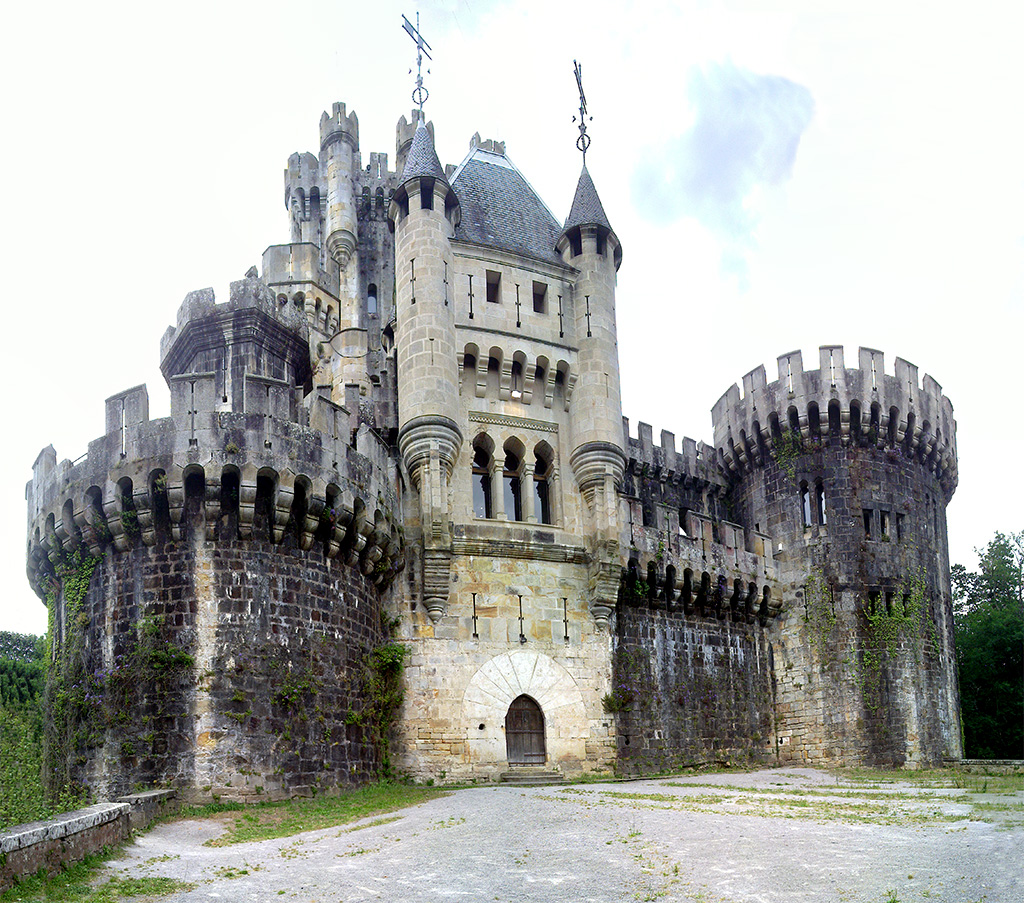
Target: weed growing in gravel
{"points": [[265, 821]]}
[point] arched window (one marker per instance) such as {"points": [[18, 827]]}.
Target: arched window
{"points": [[483, 503], [517, 380], [805, 504], [512, 485], [819, 502], [542, 485], [371, 300]]}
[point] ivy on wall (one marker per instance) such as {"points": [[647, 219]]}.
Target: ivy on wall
{"points": [[382, 692]]}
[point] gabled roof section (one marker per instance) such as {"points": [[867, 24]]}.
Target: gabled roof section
{"points": [[587, 209], [422, 159], [500, 209]]}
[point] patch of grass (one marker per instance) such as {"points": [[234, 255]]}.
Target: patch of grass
{"points": [[386, 820], [77, 885], [266, 821]]}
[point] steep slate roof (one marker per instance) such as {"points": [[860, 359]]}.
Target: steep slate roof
{"points": [[586, 206], [422, 159], [501, 210]]}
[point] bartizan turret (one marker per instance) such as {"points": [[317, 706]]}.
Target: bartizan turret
{"points": [[598, 460], [423, 214]]}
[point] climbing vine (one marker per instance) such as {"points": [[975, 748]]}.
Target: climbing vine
{"points": [[70, 691], [889, 627], [382, 692], [819, 608], [786, 450], [629, 683]]}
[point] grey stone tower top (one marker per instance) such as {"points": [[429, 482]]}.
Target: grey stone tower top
{"points": [[588, 212], [587, 209]]}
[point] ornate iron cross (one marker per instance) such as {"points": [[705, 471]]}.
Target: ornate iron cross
{"points": [[419, 94]]}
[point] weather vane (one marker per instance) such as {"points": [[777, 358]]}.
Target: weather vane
{"points": [[583, 142], [419, 94]]}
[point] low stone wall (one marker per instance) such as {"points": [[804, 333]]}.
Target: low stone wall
{"points": [[990, 766], [70, 837]]}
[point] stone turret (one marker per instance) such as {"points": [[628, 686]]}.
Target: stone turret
{"points": [[424, 213], [339, 152], [598, 459]]}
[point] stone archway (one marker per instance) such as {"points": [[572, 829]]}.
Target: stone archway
{"points": [[501, 681]]}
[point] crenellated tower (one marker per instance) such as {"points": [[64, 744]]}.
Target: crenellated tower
{"points": [[339, 153], [849, 470], [424, 213]]}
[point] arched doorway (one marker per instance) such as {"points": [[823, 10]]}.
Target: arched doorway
{"points": [[524, 733]]}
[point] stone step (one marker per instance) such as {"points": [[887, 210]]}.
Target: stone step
{"points": [[532, 777]]}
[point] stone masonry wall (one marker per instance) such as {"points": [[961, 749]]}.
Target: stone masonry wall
{"points": [[864, 643], [460, 686], [224, 668], [693, 689]]}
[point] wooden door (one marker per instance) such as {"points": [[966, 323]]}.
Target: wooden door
{"points": [[524, 733]]}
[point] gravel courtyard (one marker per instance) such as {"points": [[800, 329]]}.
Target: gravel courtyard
{"points": [[779, 835]]}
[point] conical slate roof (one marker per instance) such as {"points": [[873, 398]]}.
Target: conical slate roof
{"points": [[422, 159], [586, 206]]}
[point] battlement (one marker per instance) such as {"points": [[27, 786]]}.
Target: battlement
{"points": [[690, 459], [250, 293], [301, 181], [861, 406], [491, 145], [284, 466], [339, 127]]}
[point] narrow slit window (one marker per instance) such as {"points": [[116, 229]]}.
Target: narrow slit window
{"points": [[683, 514], [884, 516], [805, 504], [868, 517], [819, 502], [899, 527]]}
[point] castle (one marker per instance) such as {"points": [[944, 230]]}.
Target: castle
{"points": [[406, 434]]}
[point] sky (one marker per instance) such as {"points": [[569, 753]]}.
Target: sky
{"points": [[780, 176]]}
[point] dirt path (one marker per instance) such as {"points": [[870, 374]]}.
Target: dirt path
{"points": [[781, 835]]}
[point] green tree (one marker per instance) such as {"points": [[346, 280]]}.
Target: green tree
{"points": [[989, 623]]}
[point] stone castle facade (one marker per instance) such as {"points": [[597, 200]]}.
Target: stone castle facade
{"points": [[413, 415]]}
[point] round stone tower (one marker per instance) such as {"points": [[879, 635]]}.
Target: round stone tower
{"points": [[216, 579], [423, 213], [850, 470], [598, 460]]}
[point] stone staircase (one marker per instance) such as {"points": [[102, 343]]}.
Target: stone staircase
{"points": [[532, 776]]}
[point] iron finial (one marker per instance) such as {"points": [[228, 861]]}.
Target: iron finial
{"points": [[583, 142], [419, 93]]}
